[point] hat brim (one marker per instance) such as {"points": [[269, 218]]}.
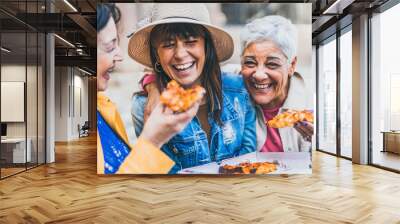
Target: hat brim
{"points": [[139, 43]]}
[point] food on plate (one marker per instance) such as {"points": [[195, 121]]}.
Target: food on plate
{"points": [[179, 99], [248, 168], [289, 118]]}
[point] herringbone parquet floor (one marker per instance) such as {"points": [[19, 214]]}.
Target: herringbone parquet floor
{"points": [[69, 191]]}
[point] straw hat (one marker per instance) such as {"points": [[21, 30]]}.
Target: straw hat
{"points": [[196, 13]]}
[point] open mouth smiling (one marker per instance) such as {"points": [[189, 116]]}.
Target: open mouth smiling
{"points": [[266, 86], [183, 67]]}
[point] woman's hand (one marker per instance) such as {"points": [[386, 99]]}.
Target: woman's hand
{"points": [[306, 129], [163, 124], [153, 97]]}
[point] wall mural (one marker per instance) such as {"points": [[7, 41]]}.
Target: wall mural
{"points": [[193, 88]]}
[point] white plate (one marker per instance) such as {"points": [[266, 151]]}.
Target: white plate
{"points": [[288, 163]]}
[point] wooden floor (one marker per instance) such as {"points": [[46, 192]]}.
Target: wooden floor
{"points": [[5, 172], [69, 191], [10, 171], [387, 159]]}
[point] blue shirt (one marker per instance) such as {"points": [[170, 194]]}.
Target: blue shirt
{"points": [[236, 135], [115, 150]]}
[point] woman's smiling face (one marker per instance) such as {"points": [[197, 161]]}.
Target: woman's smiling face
{"points": [[182, 58], [266, 72], [108, 53]]}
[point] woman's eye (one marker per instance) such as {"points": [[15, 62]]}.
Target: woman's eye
{"points": [[191, 41], [273, 65], [250, 63], [110, 50], [167, 45]]}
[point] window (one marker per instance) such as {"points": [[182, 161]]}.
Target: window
{"points": [[385, 89], [22, 68], [327, 97], [346, 94]]}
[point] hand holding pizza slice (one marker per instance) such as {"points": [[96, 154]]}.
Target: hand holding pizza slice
{"points": [[179, 99]]}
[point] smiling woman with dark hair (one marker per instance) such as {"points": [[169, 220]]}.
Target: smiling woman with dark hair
{"points": [[207, 69], [180, 44], [114, 153]]}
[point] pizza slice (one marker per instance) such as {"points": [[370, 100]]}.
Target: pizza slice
{"points": [[248, 168], [290, 117], [179, 99]]}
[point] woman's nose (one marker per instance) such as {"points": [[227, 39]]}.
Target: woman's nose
{"points": [[180, 50], [260, 74], [118, 56]]}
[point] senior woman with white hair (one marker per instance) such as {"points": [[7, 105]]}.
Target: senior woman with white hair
{"points": [[268, 64]]}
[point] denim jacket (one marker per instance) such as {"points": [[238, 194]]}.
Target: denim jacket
{"points": [[236, 135]]}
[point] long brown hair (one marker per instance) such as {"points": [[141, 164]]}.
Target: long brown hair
{"points": [[211, 74]]}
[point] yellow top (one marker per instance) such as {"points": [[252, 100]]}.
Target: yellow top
{"points": [[144, 157]]}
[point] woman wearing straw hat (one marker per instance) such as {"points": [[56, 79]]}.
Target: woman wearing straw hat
{"points": [[114, 154], [180, 43]]}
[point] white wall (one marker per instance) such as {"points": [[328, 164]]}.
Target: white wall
{"points": [[33, 126], [61, 103], [71, 94], [14, 73], [80, 108]]}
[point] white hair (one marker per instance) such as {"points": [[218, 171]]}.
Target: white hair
{"points": [[273, 28]]}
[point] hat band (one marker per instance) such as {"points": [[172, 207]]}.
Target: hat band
{"points": [[170, 17], [179, 17]]}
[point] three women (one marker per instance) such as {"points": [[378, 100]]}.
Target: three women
{"points": [[182, 45]]}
